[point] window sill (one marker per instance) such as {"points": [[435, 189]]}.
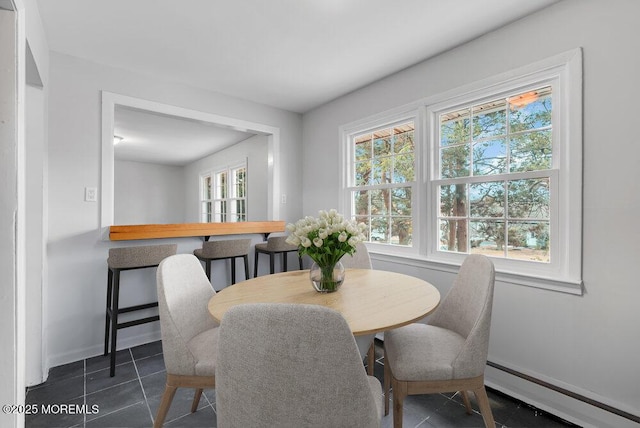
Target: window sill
{"points": [[553, 284]]}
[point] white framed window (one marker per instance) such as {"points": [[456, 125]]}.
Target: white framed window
{"points": [[380, 180], [499, 172], [224, 194]]}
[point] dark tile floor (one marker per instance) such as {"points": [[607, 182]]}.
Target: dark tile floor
{"points": [[131, 399]]}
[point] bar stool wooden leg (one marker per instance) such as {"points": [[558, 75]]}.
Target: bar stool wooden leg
{"points": [[233, 270], [246, 266], [255, 265], [114, 321], [207, 268], [107, 321]]}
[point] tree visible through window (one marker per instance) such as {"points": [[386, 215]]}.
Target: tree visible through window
{"points": [[495, 162], [224, 195], [382, 182]]}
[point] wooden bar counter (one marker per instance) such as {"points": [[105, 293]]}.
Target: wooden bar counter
{"points": [[181, 230]]}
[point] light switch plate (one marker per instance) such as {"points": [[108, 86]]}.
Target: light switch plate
{"points": [[90, 194]]}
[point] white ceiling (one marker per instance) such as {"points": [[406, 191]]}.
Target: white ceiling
{"points": [[168, 140], [291, 54]]}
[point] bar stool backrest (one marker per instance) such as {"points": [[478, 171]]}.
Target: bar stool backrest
{"points": [[139, 257]]}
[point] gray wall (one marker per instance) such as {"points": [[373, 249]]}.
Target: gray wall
{"points": [[147, 193], [587, 344], [76, 252]]}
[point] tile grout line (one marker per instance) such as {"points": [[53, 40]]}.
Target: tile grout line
{"points": [[144, 394]]}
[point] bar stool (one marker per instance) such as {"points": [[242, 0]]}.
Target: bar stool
{"points": [[225, 249], [121, 259], [275, 245]]}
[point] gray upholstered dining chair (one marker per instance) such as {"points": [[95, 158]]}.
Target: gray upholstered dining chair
{"points": [[292, 365], [449, 353], [189, 333], [361, 260]]}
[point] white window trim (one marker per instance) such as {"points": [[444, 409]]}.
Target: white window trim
{"points": [[564, 273]]}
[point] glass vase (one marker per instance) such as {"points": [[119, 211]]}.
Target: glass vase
{"points": [[326, 279]]}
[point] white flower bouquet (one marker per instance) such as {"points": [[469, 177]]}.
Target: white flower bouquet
{"points": [[326, 240]]}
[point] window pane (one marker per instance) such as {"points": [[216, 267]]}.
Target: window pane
{"points": [[365, 220], [401, 201], [379, 202], [403, 142], [361, 202], [401, 230], [453, 235], [363, 173], [529, 241], [529, 198], [490, 157], [382, 143], [486, 199], [454, 161], [382, 170], [403, 168], [379, 230], [206, 187], [489, 119], [453, 200], [487, 237], [530, 110], [455, 127], [239, 185], [363, 148], [531, 151], [206, 212], [221, 185]]}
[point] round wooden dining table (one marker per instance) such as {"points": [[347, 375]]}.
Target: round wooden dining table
{"points": [[371, 301]]}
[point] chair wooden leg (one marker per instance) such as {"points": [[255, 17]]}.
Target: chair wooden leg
{"points": [[196, 400], [399, 392], [467, 403], [485, 408], [167, 398], [371, 358]]}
